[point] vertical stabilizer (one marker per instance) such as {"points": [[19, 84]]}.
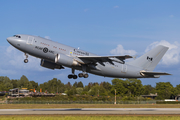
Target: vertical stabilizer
{"points": [[150, 60]]}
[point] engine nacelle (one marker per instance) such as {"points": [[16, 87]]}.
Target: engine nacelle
{"points": [[50, 65], [65, 60]]}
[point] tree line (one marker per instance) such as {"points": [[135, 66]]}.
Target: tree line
{"points": [[127, 89]]}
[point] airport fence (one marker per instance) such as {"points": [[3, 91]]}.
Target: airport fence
{"points": [[78, 102]]}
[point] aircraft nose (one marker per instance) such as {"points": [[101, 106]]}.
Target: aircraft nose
{"points": [[9, 39]]}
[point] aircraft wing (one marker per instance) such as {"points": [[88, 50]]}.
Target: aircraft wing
{"points": [[119, 59], [154, 73]]}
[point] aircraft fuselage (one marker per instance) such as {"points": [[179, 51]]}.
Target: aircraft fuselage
{"points": [[67, 56]]}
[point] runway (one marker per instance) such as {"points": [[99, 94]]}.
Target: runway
{"points": [[93, 111]]}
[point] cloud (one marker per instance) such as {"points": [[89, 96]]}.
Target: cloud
{"points": [[172, 56], [85, 10], [15, 59], [171, 16], [119, 50], [116, 6], [3, 71], [47, 37], [62, 75]]}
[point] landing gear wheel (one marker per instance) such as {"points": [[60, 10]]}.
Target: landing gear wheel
{"points": [[80, 75], [74, 76], [86, 75], [70, 76], [25, 60]]}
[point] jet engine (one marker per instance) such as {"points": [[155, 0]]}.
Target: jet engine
{"points": [[65, 60], [50, 65]]}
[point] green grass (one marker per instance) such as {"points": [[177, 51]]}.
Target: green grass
{"points": [[31, 106], [89, 118]]}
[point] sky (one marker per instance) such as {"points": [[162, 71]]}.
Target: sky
{"points": [[102, 27]]}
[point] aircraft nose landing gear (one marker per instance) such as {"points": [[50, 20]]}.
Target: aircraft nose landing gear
{"points": [[26, 60]]}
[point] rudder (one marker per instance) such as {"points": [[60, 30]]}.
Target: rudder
{"points": [[150, 60]]}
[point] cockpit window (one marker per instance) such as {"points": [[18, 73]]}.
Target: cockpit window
{"points": [[17, 36]]}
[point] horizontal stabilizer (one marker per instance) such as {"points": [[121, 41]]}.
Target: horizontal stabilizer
{"points": [[154, 73]]}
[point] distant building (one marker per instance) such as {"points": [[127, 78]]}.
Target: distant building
{"points": [[25, 93], [16, 92], [151, 96], [2, 93]]}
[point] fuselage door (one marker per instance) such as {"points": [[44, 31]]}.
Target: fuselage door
{"points": [[30, 40], [71, 53], [124, 68]]}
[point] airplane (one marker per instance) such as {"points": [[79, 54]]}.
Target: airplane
{"points": [[54, 55]]}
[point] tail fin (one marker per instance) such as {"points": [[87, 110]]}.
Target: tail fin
{"points": [[150, 60]]}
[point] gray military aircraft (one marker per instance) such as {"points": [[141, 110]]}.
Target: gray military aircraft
{"points": [[54, 55]]}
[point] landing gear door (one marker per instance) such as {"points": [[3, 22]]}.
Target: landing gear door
{"points": [[30, 40]]}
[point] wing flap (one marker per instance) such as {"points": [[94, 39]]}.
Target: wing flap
{"points": [[119, 59]]}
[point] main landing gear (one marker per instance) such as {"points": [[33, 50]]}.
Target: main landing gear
{"points": [[85, 75], [26, 60], [80, 75], [72, 75]]}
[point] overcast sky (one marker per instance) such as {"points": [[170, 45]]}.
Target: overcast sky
{"points": [[102, 27]]}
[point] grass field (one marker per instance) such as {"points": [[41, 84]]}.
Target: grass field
{"points": [[29, 106], [60, 117]]}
